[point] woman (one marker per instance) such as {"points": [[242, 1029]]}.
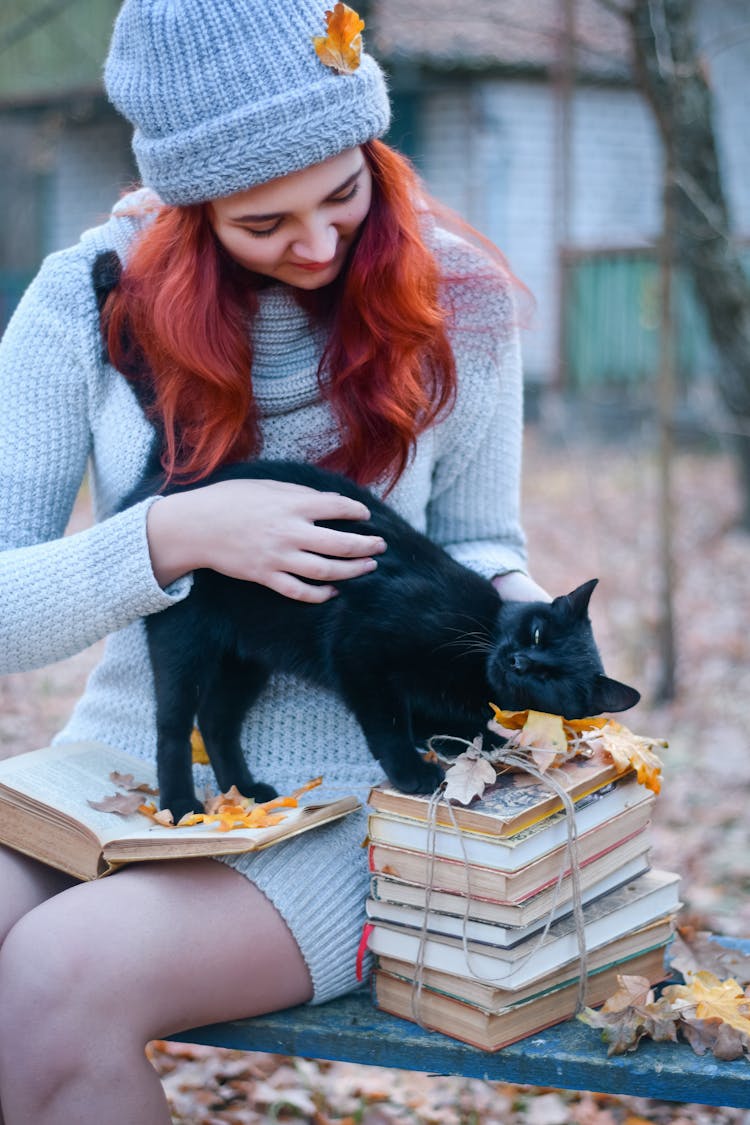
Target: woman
{"points": [[275, 237]]}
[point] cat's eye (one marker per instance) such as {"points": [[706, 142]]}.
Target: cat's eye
{"points": [[536, 635]]}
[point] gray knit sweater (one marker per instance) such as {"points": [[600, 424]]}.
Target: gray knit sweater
{"points": [[62, 407]]}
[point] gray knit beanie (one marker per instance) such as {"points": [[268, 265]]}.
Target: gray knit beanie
{"points": [[226, 94]]}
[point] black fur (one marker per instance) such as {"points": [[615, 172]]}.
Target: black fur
{"points": [[418, 646]]}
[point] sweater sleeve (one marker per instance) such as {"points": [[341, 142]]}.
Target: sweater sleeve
{"points": [[475, 506], [59, 594]]}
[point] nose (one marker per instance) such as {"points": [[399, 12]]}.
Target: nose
{"points": [[518, 662], [318, 242]]}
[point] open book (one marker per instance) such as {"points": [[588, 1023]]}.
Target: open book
{"points": [[45, 813]]}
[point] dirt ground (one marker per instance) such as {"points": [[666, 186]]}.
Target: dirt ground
{"points": [[590, 510]]}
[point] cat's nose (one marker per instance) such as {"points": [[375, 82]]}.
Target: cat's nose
{"points": [[519, 662]]}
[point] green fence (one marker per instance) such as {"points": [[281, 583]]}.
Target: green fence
{"points": [[610, 311]]}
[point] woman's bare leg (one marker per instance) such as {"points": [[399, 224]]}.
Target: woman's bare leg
{"points": [[89, 977], [24, 884]]}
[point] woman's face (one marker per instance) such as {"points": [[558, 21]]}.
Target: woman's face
{"points": [[297, 229]]}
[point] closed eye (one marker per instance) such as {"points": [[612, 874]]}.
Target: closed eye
{"points": [[536, 636], [264, 232]]}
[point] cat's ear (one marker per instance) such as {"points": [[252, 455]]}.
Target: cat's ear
{"points": [[611, 695], [577, 601]]}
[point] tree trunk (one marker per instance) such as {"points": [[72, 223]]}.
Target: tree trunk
{"points": [[671, 75]]}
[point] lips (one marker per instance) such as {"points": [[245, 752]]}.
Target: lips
{"points": [[313, 267]]}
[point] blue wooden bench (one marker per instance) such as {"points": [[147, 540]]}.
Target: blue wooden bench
{"points": [[570, 1055]]}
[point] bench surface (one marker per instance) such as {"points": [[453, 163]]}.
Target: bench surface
{"points": [[570, 1055]]}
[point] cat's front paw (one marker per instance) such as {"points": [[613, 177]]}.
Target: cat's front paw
{"points": [[260, 792], [180, 807], [417, 776]]}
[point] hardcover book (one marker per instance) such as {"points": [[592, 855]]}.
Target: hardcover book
{"points": [[507, 853], [453, 876], [44, 813], [491, 998], [467, 913], [514, 802], [651, 896], [492, 1030]]}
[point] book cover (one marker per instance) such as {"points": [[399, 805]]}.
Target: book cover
{"points": [[513, 889], [632, 906], [453, 921], [491, 1031], [509, 853], [44, 813], [514, 802]]}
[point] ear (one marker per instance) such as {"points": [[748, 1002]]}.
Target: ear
{"points": [[611, 695], [577, 601]]}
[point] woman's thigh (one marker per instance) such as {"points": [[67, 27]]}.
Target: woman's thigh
{"points": [[24, 884], [167, 945]]}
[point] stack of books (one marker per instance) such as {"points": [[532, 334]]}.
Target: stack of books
{"points": [[468, 903]]}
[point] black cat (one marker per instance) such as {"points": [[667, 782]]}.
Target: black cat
{"points": [[416, 647]]}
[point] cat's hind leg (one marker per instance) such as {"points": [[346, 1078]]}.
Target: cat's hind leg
{"points": [[227, 693], [383, 713]]}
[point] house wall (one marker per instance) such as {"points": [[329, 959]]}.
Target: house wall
{"points": [[93, 166], [489, 151]]}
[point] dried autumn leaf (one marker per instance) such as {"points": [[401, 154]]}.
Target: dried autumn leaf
{"points": [[316, 781], [629, 1014], [544, 732], [160, 816], [198, 749], [630, 751], [468, 777], [127, 781], [712, 999], [692, 950], [123, 803], [508, 720], [341, 47]]}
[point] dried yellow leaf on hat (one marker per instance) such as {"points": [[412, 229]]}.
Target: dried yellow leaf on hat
{"points": [[341, 47]]}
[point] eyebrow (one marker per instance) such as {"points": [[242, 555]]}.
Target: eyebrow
{"points": [[278, 214]]}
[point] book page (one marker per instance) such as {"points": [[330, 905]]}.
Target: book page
{"points": [[64, 778]]}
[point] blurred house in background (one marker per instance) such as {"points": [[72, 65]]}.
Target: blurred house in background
{"points": [[520, 114]]}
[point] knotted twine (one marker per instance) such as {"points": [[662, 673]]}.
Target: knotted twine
{"points": [[520, 758]]}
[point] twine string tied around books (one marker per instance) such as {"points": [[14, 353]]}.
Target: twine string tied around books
{"points": [[520, 758]]}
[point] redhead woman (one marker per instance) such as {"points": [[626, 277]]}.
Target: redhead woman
{"points": [[281, 286]]}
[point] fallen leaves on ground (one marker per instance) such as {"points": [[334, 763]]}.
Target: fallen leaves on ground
{"points": [[209, 1086]]}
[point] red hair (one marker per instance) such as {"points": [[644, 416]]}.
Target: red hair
{"points": [[181, 311]]}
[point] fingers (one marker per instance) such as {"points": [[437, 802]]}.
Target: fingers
{"points": [[311, 566], [342, 544], [317, 505], [300, 591]]}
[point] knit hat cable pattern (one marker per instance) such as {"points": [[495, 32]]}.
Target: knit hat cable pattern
{"points": [[227, 94]]}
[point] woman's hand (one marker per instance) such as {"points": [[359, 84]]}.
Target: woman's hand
{"points": [[515, 586], [261, 531]]}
